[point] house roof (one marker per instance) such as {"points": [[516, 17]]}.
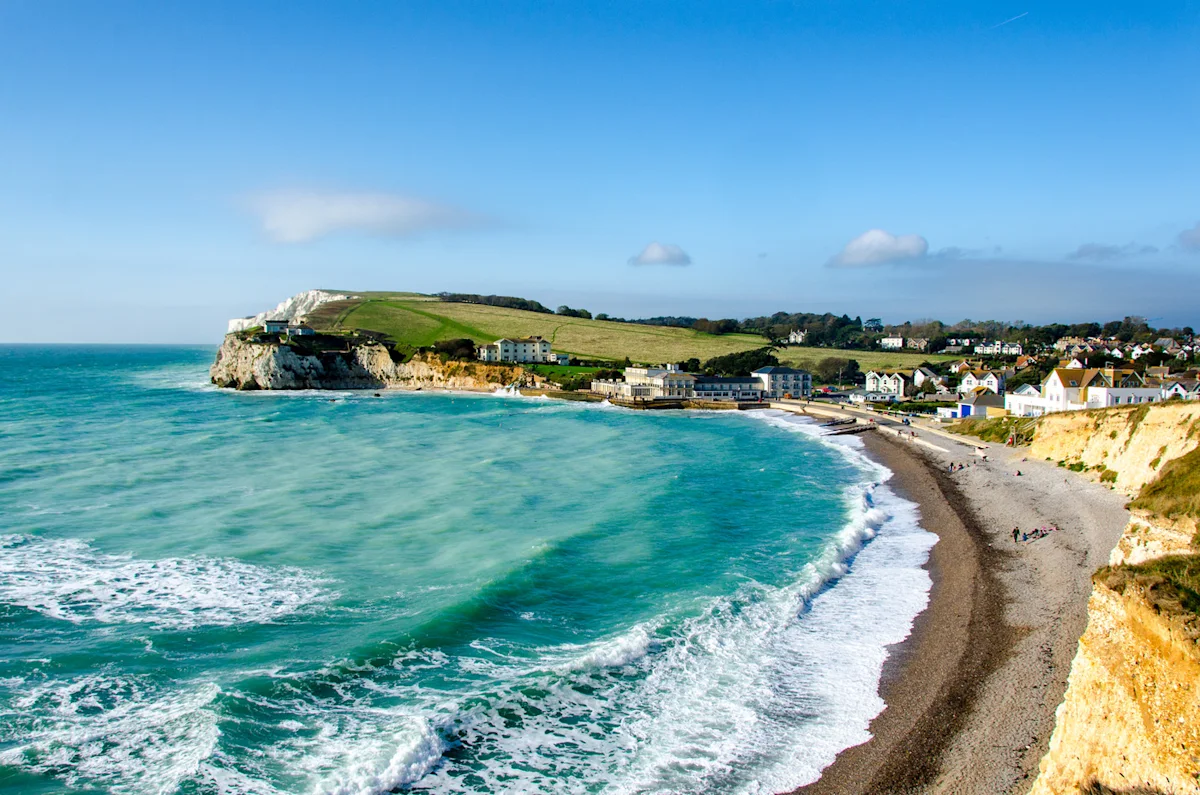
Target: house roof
{"points": [[984, 399], [1073, 377], [780, 370]]}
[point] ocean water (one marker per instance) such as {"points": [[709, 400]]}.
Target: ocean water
{"points": [[210, 592]]}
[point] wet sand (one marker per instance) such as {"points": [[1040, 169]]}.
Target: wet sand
{"points": [[971, 693]]}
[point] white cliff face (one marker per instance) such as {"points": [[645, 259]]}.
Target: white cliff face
{"points": [[244, 364], [293, 309]]}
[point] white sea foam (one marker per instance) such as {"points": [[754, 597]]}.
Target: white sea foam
{"points": [[755, 695], [120, 733], [69, 580]]}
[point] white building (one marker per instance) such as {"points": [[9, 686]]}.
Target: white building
{"points": [[533, 350], [992, 380], [648, 383], [891, 343], [797, 337], [711, 387], [275, 326], [1182, 388], [997, 348], [1073, 389], [923, 375], [781, 382], [1025, 401], [300, 330], [888, 382], [671, 383]]}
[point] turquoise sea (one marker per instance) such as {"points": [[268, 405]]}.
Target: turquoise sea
{"points": [[204, 591]]}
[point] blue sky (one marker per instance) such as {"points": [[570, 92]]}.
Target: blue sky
{"points": [[166, 166]]}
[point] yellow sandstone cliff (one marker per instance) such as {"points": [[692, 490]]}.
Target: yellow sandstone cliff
{"points": [[1130, 719]]}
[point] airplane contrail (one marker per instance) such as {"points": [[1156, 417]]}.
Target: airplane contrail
{"points": [[1005, 22]]}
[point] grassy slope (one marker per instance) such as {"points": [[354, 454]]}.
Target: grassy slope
{"points": [[418, 321], [807, 358], [421, 320], [1175, 493]]}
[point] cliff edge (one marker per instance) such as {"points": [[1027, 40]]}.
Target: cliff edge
{"points": [[248, 362], [1130, 718]]}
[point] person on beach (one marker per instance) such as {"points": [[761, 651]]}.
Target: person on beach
{"points": [[1016, 534]]}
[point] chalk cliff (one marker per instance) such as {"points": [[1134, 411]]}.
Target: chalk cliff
{"points": [[294, 308], [1130, 719], [244, 363]]}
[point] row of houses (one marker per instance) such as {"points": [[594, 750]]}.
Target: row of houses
{"points": [[1076, 389], [1075, 345], [897, 343], [953, 345], [672, 383], [525, 350], [891, 385]]}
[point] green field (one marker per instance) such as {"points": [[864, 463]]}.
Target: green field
{"points": [[807, 358], [419, 320]]}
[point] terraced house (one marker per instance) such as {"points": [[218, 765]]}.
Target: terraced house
{"points": [[1076, 389], [889, 382]]}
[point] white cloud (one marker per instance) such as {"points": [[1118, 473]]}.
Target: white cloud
{"points": [[661, 254], [1190, 238], [303, 216], [876, 247]]}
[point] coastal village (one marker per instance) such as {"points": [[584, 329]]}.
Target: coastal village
{"points": [[994, 381], [1059, 462]]}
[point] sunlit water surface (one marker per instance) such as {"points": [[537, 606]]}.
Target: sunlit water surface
{"points": [[204, 591]]}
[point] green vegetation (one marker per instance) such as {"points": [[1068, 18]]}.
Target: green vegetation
{"points": [[1175, 493], [1171, 584], [837, 370], [572, 378], [808, 358], [742, 363], [494, 300], [460, 348], [420, 321], [997, 429]]}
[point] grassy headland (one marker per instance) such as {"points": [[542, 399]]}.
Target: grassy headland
{"points": [[418, 320]]}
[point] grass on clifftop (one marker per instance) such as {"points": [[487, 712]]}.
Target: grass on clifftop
{"points": [[420, 321], [997, 429], [1175, 493], [1171, 584]]}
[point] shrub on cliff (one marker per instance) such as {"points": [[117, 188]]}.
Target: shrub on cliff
{"points": [[1175, 493], [744, 363], [462, 348]]}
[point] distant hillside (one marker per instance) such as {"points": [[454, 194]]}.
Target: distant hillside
{"points": [[422, 320]]}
